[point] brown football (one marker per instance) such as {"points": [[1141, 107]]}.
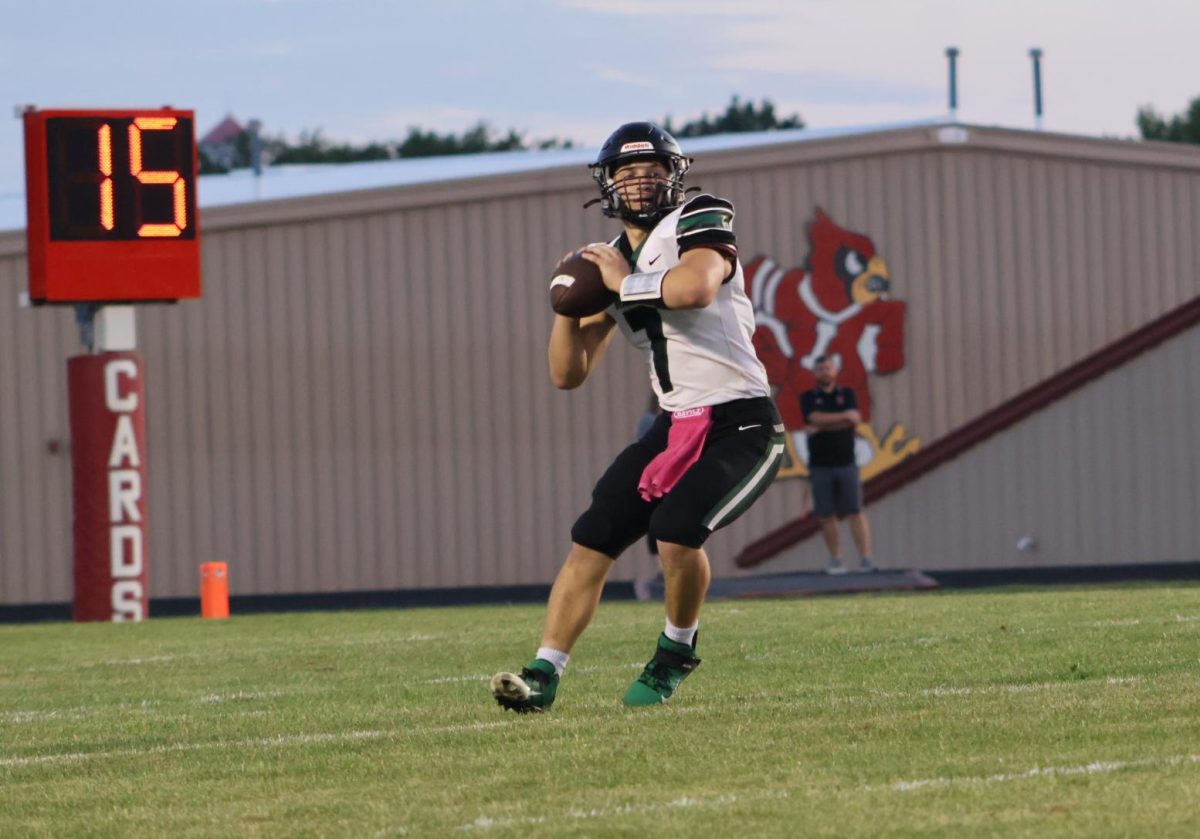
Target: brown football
{"points": [[577, 289]]}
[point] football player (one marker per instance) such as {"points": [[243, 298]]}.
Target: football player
{"points": [[718, 442]]}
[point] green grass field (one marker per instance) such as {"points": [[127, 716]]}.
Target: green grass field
{"points": [[1071, 711]]}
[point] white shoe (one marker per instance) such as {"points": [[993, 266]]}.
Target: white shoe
{"points": [[835, 567]]}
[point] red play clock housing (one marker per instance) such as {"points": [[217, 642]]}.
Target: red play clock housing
{"points": [[111, 203]]}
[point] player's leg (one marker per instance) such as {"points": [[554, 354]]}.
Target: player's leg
{"points": [[686, 575], [574, 597], [735, 468], [617, 518], [573, 601]]}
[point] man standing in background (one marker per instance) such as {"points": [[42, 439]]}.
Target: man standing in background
{"points": [[830, 415]]}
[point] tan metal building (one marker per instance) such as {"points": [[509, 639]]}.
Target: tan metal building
{"points": [[360, 402]]}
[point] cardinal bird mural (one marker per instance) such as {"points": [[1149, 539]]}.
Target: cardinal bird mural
{"points": [[839, 304]]}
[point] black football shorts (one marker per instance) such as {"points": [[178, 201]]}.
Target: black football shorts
{"points": [[742, 453]]}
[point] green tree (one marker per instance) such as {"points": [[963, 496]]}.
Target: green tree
{"points": [[312, 147], [738, 117], [208, 166], [1180, 128]]}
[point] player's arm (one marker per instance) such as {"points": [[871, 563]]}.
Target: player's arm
{"points": [[692, 284], [695, 281], [576, 347], [707, 253], [707, 259]]}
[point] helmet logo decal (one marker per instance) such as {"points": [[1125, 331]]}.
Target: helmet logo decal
{"points": [[640, 146]]}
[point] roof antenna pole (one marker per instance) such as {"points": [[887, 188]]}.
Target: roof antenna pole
{"points": [[952, 58], [254, 129], [1036, 55]]}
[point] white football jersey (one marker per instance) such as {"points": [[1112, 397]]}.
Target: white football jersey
{"points": [[697, 357]]}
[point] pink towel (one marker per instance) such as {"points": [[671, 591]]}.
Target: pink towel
{"points": [[685, 442]]}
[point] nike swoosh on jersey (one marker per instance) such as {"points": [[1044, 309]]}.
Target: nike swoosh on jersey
{"points": [[654, 260], [746, 427]]}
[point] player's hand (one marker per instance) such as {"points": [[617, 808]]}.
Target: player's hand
{"points": [[614, 268]]}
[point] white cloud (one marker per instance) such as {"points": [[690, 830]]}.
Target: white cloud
{"points": [[612, 74], [853, 114]]}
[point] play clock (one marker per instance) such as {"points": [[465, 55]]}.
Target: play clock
{"points": [[111, 203]]}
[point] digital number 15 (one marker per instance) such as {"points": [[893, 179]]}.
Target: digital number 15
{"points": [[160, 177]]}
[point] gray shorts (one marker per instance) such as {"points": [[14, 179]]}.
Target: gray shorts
{"points": [[836, 491]]}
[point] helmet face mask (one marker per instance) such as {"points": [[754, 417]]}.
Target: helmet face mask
{"points": [[640, 172]]}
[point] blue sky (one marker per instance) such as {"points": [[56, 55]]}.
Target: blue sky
{"points": [[362, 70]]}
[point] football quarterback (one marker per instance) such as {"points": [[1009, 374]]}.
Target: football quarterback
{"points": [[680, 298]]}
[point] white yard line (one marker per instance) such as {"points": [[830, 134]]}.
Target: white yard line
{"points": [[485, 823], [19, 717], [223, 652], [75, 667], [1140, 621], [474, 726], [279, 741], [470, 677], [239, 696], [155, 659], [159, 707], [147, 706], [1010, 630], [76, 713], [262, 742], [1094, 768], [948, 690], [424, 638]]}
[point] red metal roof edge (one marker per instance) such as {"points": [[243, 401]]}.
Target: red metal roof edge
{"points": [[987, 425]]}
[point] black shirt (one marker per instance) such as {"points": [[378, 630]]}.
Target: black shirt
{"points": [[829, 448]]}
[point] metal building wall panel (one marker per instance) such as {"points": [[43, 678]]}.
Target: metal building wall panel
{"points": [[1106, 476], [34, 442]]}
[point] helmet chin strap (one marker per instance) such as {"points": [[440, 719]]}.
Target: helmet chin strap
{"points": [[641, 223], [647, 219]]}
